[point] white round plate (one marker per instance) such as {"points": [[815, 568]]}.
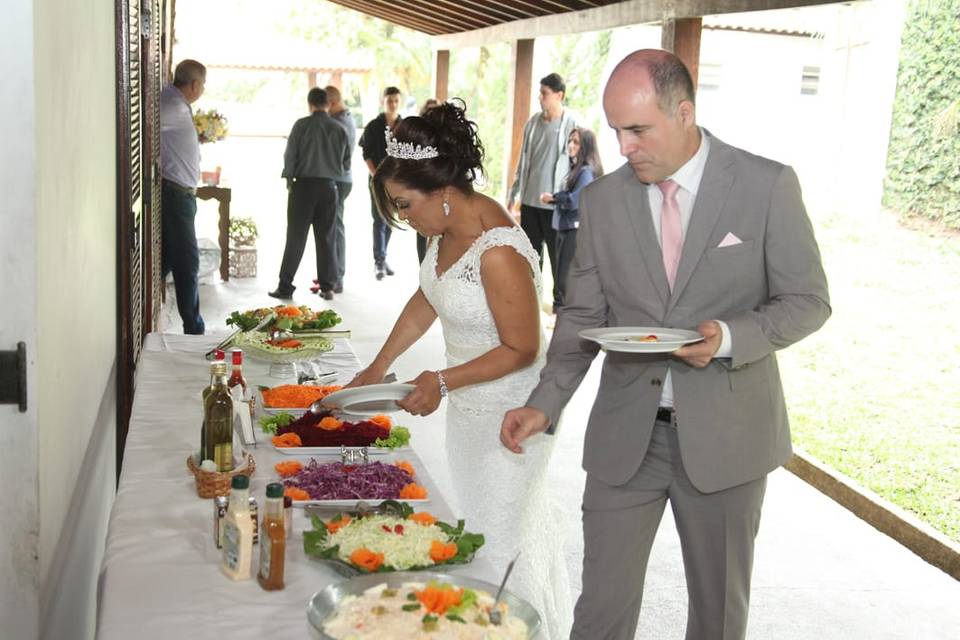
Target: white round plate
{"points": [[370, 400], [626, 339]]}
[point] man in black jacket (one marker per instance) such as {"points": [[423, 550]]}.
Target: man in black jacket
{"points": [[318, 153], [374, 145]]}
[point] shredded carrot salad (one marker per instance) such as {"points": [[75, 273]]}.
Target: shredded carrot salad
{"points": [[288, 468], [413, 491], [287, 440], [296, 396]]}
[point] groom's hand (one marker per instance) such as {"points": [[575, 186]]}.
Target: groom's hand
{"points": [[520, 424], [699, 354]]}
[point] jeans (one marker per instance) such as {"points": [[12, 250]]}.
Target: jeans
{"points": [[566, 247], [381, 230], [340, 235], [538, 224], [312, 201], [179, 253]]}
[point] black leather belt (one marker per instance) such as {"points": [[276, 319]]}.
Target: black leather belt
{"points": [[665, 414], [179, 187]]}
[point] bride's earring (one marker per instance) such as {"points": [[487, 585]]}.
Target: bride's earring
{"points": [[446, 206]]}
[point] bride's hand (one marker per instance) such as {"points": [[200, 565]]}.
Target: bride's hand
{"points": [[425, 399], [371, 375]]}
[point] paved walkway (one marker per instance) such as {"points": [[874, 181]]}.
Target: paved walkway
{"points": [[819, 571]]}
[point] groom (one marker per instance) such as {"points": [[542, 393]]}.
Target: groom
{"points": [[689, 233]]}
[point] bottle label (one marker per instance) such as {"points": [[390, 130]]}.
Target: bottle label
{"points": [[231, 546], [223, 456], [265, 548]]}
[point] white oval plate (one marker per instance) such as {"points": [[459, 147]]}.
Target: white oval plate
{"points": [[625, 339], [370, 400]]}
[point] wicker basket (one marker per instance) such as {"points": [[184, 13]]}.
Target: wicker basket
{"points": [[211, 484]]}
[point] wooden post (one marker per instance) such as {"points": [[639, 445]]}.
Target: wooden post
{"points": [[682, 37], [518, 101], [441, 74], [336, 78], [311, 79]]}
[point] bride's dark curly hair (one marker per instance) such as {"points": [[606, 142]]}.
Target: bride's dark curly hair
{"points": [[459, 163]]}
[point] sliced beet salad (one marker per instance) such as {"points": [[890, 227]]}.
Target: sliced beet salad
{"points": [[325, 430]]}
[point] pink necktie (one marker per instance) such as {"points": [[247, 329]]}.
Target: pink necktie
{"points": [[671, 230]]}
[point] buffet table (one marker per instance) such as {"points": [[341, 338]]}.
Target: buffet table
{"points": [[160, 576]]}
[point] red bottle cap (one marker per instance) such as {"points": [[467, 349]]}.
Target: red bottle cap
{"points": [[219, 355], [237, 356]]}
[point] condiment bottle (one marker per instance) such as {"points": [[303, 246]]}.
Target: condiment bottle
{"points": [[236, 376], [218, 421], [238, 531], [218, 357], [288, 516], [273, 540]]}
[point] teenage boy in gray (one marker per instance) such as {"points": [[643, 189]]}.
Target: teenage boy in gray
{"points": [[542, 168]]}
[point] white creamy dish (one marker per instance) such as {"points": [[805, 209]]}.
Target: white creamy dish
{"points": [[418, 611]]}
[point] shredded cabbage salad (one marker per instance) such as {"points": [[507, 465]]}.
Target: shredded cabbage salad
{"points": [[400, 550]]}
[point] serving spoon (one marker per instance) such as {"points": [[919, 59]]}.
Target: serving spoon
{"points": [[494, 612]]}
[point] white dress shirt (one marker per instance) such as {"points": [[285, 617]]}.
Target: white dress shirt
{"points": [[179, 142], [688, 177]]}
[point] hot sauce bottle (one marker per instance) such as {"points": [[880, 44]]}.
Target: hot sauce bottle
{"points": [[273, 540]]}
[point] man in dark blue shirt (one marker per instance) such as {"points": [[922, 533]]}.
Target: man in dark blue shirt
{"points": [[374, 145]]}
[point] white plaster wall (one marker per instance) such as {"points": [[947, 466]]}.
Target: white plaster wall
{"points": [[76, 300], [19, 568]]}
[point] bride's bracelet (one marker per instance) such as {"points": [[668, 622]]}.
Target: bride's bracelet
{"points": [[443, 384]]}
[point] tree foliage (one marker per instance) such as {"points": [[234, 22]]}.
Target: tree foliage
{"points": [[923, 162]]}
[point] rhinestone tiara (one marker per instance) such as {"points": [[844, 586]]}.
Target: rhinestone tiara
{"points": [[407, 150]]}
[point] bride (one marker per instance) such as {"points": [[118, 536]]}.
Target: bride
{"points": [[481, 277]]}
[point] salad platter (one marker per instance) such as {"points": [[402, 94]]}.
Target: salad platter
{"points": [[325, 483], [393, 537], [355, 599]]}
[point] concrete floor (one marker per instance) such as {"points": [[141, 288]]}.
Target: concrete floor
{"points": [[819, 571]]}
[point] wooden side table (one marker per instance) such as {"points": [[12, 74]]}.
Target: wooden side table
{"points": [[221, 195]]}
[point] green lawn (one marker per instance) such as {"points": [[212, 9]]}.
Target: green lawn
{"points": [[875, 392]]}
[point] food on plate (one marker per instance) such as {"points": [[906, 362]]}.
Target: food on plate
{"points": [[295, 396], [270, 423], [326, 430], [435, 610], [647, 338], [261, 341], [285, 317], [404, 540], [286, 440], [370, 481]]}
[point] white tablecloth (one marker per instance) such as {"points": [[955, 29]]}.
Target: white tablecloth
{"points": [[160, 576]]}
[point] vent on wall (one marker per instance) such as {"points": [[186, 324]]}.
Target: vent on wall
{"points": [[708, 76], [810, 81]]}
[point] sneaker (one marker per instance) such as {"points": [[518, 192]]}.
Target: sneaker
{"points": [[381, 270]]}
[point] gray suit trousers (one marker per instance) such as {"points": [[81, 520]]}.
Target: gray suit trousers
{"points": [[717, 532]]}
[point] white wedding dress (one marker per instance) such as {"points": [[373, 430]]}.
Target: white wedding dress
{"points": [[503, 495]]}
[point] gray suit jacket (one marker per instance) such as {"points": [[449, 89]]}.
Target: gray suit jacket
{"points": [[770, 290]]}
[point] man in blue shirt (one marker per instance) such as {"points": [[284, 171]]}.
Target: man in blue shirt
{"points": [[339, 112], [180, 170]]}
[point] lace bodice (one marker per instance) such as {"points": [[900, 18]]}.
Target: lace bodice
{"points": [[469, 330]]}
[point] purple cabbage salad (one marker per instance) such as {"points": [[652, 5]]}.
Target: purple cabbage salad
{"points": [[337, 481]]}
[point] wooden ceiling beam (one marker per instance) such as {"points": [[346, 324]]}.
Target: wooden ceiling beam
{"points": [[617, 14], [417, 23], [455, 20]]}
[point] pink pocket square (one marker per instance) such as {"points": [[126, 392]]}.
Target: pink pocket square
{"points": [[729, 240]]}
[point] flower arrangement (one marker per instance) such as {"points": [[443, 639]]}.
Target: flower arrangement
{"points": [[211, 125], [243, 232]]}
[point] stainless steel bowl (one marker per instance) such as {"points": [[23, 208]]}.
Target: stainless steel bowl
{"points": [[324, 603]]}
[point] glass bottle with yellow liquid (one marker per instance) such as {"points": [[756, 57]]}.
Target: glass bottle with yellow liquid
{"points": [[218, 420], [273, 540]]}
